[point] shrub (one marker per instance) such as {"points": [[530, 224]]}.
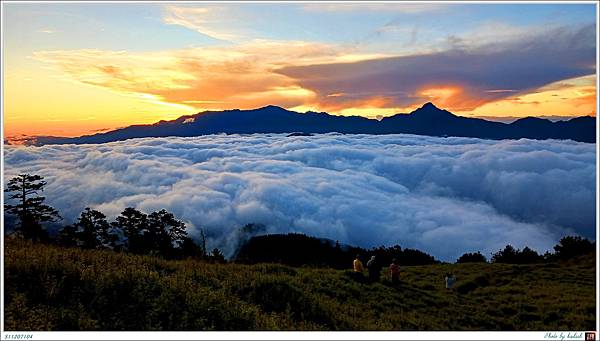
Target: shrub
{"points": [[573, 246], [529, 256], [475, 257], [507, 255], [510, 255]]}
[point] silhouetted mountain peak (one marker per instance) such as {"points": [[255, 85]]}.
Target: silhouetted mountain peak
{"points": [[430, 110], [429, 106], [270, 108]]}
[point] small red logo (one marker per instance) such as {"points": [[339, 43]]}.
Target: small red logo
{"points": [[590, 336]]}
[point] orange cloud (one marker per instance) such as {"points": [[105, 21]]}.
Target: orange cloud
{"points": [[205, 78], [454, 97]]}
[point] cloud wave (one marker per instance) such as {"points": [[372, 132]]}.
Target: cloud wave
{"points": [[445, 196]]}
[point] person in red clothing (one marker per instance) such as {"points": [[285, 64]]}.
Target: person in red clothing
{"points": [[395, 272]]}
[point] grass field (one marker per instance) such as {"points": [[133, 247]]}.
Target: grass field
{"points": [[53, 288]]}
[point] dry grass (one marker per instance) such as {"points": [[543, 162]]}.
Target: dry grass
{"points": [[53, 288]]}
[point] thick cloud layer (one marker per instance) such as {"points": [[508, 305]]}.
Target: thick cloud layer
{"points": [[445, 196]]}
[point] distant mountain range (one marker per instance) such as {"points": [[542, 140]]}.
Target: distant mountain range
{"points": [[427, 120]]}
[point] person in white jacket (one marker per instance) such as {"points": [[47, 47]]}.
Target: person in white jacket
{"points": [[450, 280]]}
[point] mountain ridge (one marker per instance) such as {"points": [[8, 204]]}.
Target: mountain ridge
{"points": [[427, 120]]}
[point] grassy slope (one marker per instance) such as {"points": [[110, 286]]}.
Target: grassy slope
{"points": [[51, 288]]}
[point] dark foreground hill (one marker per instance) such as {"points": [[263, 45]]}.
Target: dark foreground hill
{"points": [[296, 249], [53, 288], [427, 120]]}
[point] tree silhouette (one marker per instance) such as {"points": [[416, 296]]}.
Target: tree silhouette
{"points": [[164, 234], [159, 233], [217, 256], [92, 229], [507, 255], [67, 236], [475, 257], [573, 246], [510, 255], [133, 224], [203, 242], [30, 208], [190, 249], [529, 256]]}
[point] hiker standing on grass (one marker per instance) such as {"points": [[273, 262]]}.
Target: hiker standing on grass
{"points": [[394, 272], [450, 279], [358, 268], [374, 269]]}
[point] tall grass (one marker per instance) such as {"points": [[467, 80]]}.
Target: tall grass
{"points": [[54, 288]]}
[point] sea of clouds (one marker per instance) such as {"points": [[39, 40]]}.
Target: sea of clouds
{"points": [[445, 196]]}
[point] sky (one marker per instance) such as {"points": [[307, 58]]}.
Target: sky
{"points": [[73, 69]]}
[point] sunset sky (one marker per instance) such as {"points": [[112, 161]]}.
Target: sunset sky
{"points": [[72, 69]]}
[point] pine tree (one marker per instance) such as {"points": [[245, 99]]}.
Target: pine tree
{"points": [[30, 208], [217, 256], [67, 236], [92, 229], [190, 249], [133, 224], [165, 233]]}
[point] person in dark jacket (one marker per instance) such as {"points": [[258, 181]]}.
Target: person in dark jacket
{"points": [[374, 269]]}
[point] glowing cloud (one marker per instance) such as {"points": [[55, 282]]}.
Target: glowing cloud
{"points": [[217, 77], [459, 79], [567, 98]]}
